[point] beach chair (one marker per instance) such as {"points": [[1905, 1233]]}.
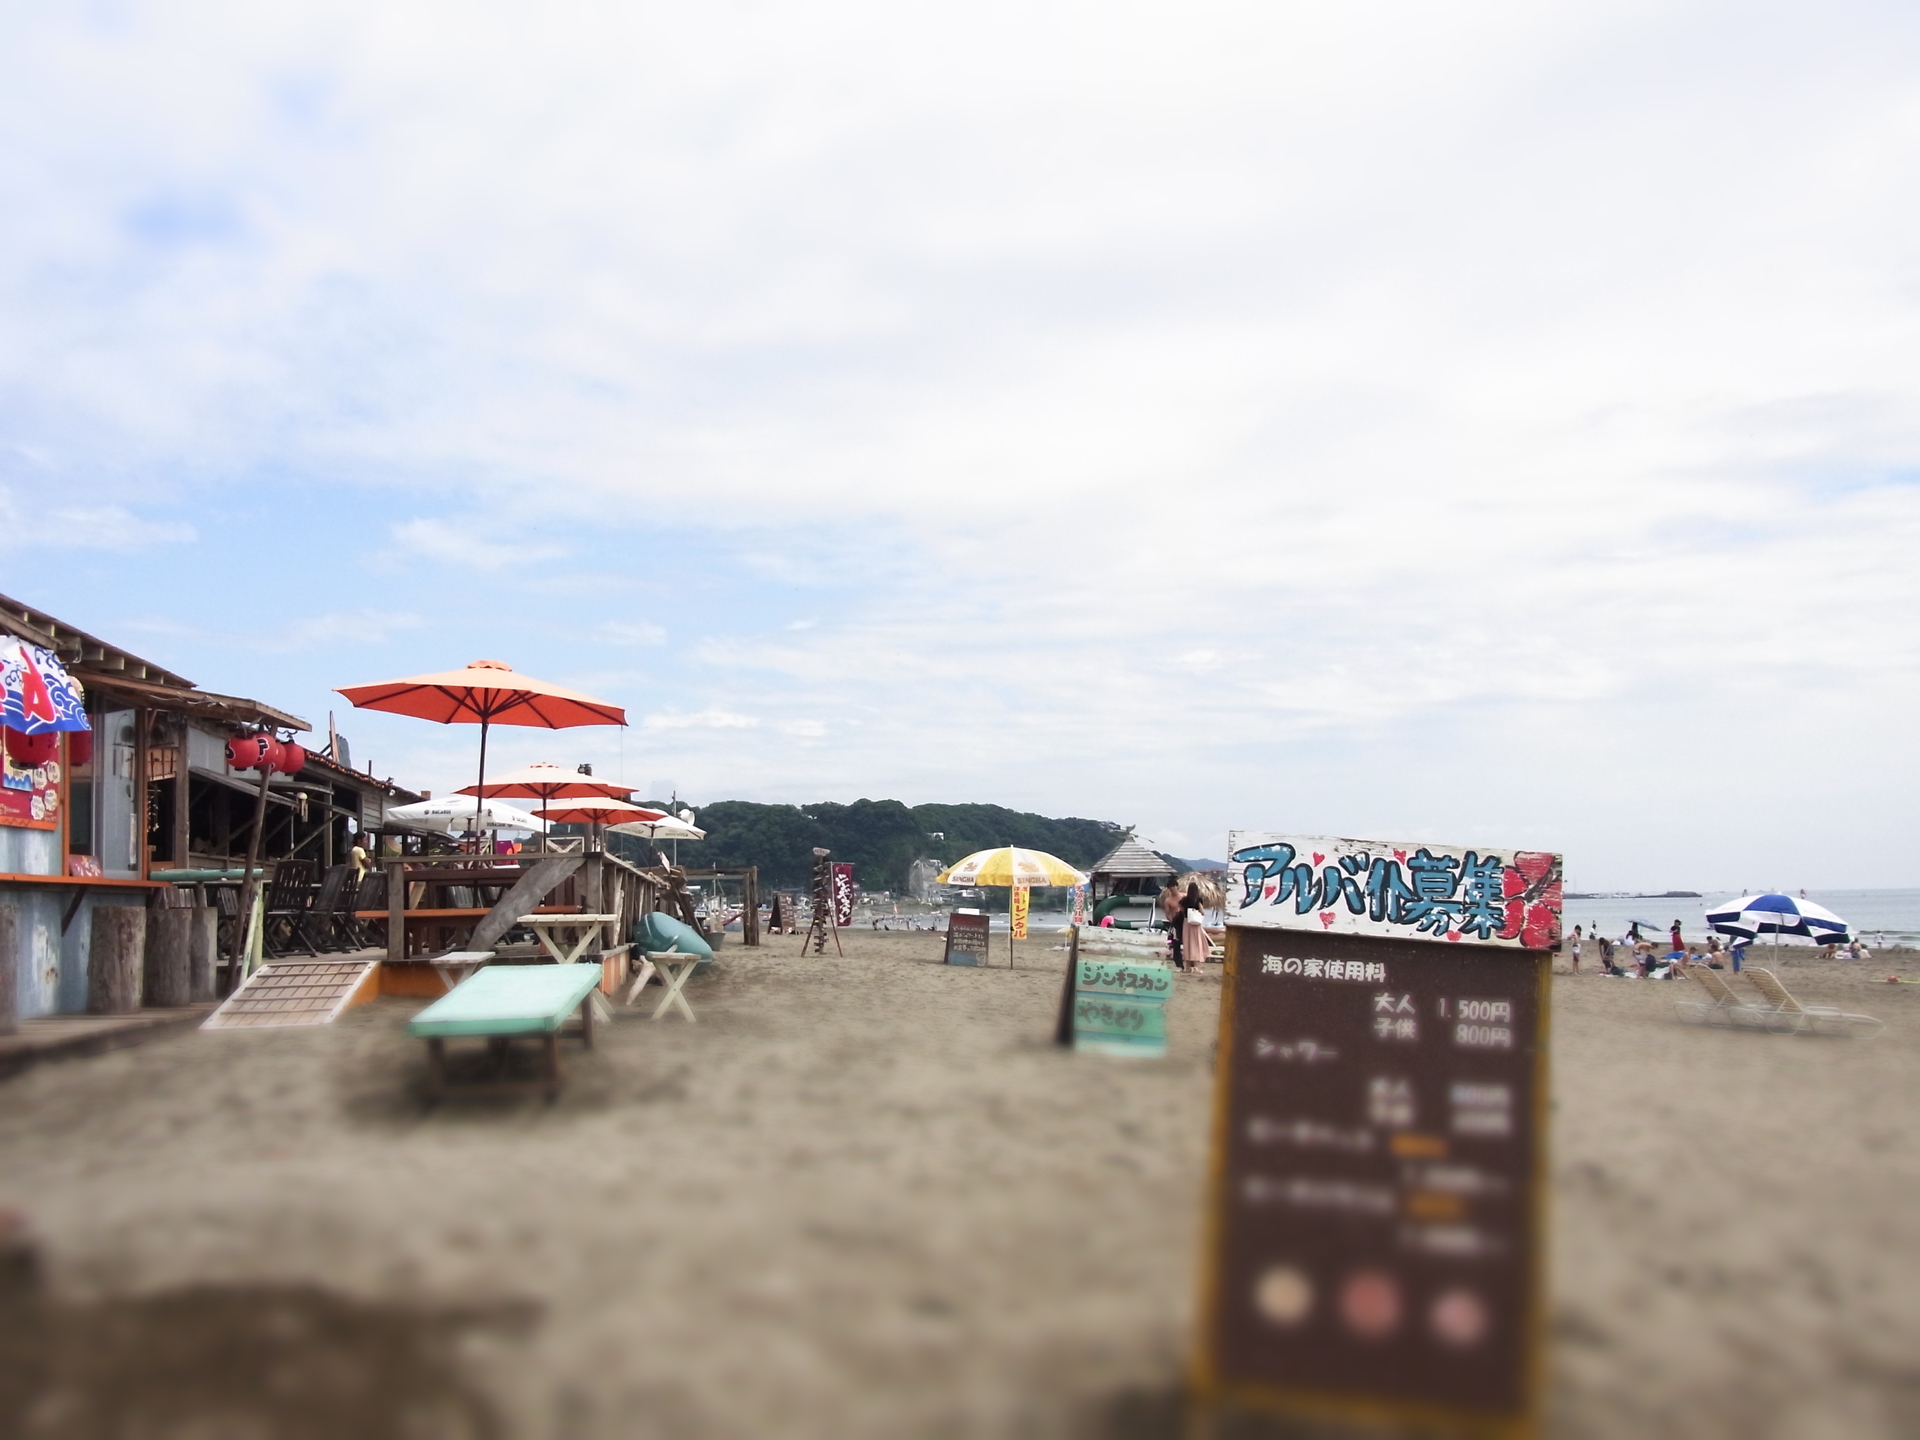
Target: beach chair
{"points": [[324, 914], [1723, 1006], [500, 1004], [289, 902], [1789, 1014], [226, 902], [347, 931]]}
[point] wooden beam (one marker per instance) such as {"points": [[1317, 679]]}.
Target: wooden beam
{"points": [[182, 801], [140, 752], [397, 911], [528, 892]]}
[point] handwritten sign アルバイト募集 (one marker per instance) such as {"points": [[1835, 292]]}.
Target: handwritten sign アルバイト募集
{"points": [[1378, 1142]]}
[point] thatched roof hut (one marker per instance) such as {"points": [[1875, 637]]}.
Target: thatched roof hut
{"points": [[1130, 868]]}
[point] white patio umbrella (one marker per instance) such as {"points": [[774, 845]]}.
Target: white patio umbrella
{"points": [[462, 812], [670, 828], [667, 827]]}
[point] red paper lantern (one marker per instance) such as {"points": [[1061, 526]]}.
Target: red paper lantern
{"points": [[263, 752], [250, 752], [27, 751], [80, 747]]}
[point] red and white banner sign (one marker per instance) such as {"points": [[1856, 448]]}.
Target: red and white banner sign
{"points": [[842, 895]]}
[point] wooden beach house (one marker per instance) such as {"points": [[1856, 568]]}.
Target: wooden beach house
{"points": [[148, 796]]}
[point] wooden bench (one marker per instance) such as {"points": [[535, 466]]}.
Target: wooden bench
{"points": [[502, 1003], [672, 968]]}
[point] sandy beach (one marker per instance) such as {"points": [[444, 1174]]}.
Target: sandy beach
{"points": [[865, 1196]]}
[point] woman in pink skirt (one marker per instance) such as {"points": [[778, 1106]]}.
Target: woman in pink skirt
{"points": [[1195, 942]]}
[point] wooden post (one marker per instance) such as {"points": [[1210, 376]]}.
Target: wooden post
{"points": [[141, 751], [116, 956], [168, 970], [182, 801], [9, 968], [250, 886], [396, 911], [203, 949], [1063, 1025], [750, 906]]}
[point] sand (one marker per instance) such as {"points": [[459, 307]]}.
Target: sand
{"points": [[864, 1196]]}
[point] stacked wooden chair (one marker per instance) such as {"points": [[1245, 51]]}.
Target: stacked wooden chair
{"points": [[288, 920]]}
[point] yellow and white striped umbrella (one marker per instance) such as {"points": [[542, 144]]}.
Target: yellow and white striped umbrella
{"points": [[1010, 865]]}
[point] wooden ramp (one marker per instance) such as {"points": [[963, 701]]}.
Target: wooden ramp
{"points": [[298, 992]]}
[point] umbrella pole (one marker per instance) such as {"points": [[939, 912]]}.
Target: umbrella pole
{"points": [[480, 799]]}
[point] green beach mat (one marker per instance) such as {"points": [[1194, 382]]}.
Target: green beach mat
{"points": [[508, 1000]]}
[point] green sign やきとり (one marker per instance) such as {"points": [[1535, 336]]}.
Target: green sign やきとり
{"points": [[1119, 1007]]}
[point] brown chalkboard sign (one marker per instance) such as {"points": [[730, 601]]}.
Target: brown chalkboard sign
{"points": [[1376, 1199], [966, 939]]}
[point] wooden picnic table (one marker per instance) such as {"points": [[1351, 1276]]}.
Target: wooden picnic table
{"points": [[500, 1004], [446, 920], [544, 923]]}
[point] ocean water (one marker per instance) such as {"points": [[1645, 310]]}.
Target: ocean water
{"points": [[1886, 917], [1879, 917]]}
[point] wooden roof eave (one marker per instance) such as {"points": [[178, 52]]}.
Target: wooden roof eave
{"points": [[76, 647], [231, 709]]}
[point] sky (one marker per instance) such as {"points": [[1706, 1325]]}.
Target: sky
{"points": [[1488, 423]]}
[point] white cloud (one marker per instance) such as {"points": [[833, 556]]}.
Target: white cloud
{"points": [[460, 548], [286, 634], [1380, 415], [632, 632], [96, 527], [712, 718]]}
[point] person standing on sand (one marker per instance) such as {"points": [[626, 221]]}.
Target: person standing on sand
{"points": [[1173, 911], [1195, 944], [1576, 949], [1678, 943]]}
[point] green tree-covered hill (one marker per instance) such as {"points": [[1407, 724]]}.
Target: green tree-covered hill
{"points": [[881, 837]]}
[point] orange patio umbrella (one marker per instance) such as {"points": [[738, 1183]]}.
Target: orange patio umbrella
{"points": [[605, 810], [601, 811], [486, 693]]}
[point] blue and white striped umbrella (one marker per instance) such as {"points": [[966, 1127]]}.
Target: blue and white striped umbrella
{"points": [[1755, 915]]}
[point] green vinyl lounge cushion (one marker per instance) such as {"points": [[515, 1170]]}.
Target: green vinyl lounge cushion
{"points": [[508, 1000]]}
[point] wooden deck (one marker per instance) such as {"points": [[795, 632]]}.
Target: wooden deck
{"points": [[65, 1037]]}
